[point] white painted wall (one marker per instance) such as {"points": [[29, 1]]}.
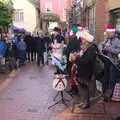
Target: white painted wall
{"points": [[30, 15]]}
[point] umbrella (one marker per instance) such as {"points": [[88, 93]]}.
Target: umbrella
{"points": [[16, 29]]}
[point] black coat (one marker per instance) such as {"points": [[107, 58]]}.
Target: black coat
{"points": [[47, 40], [27, 40], [86, 63], [74, 45], [40, 45], [33, 44]]}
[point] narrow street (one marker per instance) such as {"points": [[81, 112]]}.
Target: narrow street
{"points": [[29, 94]]}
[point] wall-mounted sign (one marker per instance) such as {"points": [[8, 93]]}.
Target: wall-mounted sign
{"points": [[50, 17]]}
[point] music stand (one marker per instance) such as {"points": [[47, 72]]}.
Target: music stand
{"points": [[61, 69], [111, 69], [62, 100], [106, 60]]}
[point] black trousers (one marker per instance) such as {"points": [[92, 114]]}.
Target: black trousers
{"points": [[84, 92], [33, 55], [40, 57]]}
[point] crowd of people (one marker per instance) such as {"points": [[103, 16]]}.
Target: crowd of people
{"points": [[86, 61], [19, 49]]}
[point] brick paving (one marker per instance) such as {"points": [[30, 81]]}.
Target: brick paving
{"points": [[30, 93]]}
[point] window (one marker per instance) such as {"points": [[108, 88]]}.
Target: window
{"points": [[48, 6], [91, 24], [18, 15]]}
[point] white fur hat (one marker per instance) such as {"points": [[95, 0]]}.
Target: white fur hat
{"points": [[87, 36], [119, 55]]}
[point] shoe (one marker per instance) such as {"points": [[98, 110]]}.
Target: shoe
{"points": [[78, 105], [84, 106]]}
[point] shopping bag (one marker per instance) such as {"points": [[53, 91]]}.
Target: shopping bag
{"points": [[116, 92]]}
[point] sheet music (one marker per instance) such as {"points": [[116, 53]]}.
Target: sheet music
{"points": [[111, 61], [107, 58]]}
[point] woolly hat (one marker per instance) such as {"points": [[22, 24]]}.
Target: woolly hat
{"points": [[110, 28], [87, 36], [73, 31]]}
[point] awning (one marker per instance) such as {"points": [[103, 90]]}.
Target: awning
{"points": [[17, 29]]}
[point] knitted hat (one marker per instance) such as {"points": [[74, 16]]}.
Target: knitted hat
{"points": [[110, 28], [73, 31], [87, 36]]}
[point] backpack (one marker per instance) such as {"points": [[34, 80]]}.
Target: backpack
{"points": [[21, 46]]}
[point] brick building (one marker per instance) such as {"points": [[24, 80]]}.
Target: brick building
{"points": [[101, 18], [96, 14]]}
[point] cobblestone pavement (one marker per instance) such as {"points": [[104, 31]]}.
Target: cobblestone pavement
{"points": [[30, 92]]}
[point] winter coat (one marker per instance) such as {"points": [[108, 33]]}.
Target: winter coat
{"points": [[40, 46], [33, 44], [21, 46], [15, 40], [47, 41], [74, 45], [3, 48], [27, 40], [110, 47], [86, 64], [57, 50], [9, 51], [21, 50]]}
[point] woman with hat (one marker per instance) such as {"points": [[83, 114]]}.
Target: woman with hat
{"points": [[86, 65], [110, 48]]}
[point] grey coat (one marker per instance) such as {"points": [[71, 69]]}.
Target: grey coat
{"points": [[110, 47]]}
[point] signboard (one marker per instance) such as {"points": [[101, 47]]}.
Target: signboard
{"points": [[50, 17]]}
